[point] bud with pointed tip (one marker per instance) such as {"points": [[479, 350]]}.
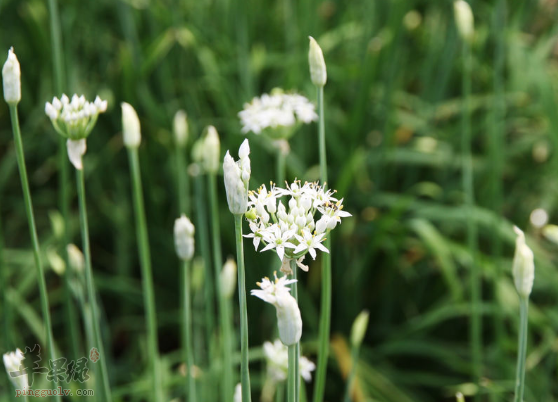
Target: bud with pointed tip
{"points": [[317, 64], [464, 20], [180, 128], [184, 238], [227, 279], [130, 126], [523, 265], [237, 178], [211, 150], [76, 150], [11, 76], [75, 258], [359, 328]]}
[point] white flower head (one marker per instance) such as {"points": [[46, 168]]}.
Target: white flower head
{"points": [[277, 358], [523, 265], [277, 114], [464, 20], [289, 321], [237, 177], [180, 128], [13, 362], [131, 129], [211, 150], [184, 238], [11, 78], [238, 393], [76, 150], [318, 72], [295, 225], [74, 119]]}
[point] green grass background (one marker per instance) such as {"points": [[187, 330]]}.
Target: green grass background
{"points": [[393, 131]]}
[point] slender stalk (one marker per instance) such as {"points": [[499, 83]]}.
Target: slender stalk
{"points": [[352, 373], [291, 393], [522, 349], [244, 369], [228, 385], [183, 180], [281, 168], [187, 331], [472, 240], [294, 291], [8, 338], [325, 313], [147, 278], [33, 232], [95, 318]]}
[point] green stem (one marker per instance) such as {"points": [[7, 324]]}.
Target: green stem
{"points": [[292, 374], [95, 318], [281, 168], [228, 386], [522, 349], [294, 291], [147, 276], [187, 332], [352, 374], [183, 180], [33, 232], [244, 369], [468, 189], [325, 313]]}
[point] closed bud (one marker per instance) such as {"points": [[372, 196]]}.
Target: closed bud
{"points": [[76, 150], [523, 265], [130, 126], [237, 177], [75, 258], [289, 321], [211, 151], [359, 328], [184, 238], [464, 20], [317, 64], [180, 128], [227, 279], [11, 77]]}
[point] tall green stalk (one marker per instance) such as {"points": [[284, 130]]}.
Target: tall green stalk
{"points": [[291, 393], [352, 373], [147, 278], [325, 313], [187, 331], [281, 167], [294, 292], [33, 232], [183, 180], [95, 318], [244, 368], [472, 238], [522, 348], [228, 385], [63, 177]]}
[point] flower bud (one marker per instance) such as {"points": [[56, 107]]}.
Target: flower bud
{"points": [[180, 128], [75, 258], [228, 279], [317, 64], [238, 393], [359, 328], [11, 76], [523, 265], [130, 126], [211, 151], [76, 149], [237, 177], [464, 20], [13, 362], [184, 238], [289, 321]]}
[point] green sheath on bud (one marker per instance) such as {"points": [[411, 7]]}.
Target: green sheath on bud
{"points": [[359, 328]]}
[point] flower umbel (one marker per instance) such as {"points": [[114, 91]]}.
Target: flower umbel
{"points": [[12, 362], [237, 177], [297, 226], [74, 119], [277, 114], [277, 357], [289, 321]]}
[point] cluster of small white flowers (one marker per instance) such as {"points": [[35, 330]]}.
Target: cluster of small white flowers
{"points": [[74, 119], [289, 321], [277, 356], [12, 362], [275, 110], [294, 232]]}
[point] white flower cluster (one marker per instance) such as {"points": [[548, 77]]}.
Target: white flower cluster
{"points": [[289, 321], [292, 230], [277, 110], [277, 357], [76, 118], [184, 238], [12, 362], [237, 177]]}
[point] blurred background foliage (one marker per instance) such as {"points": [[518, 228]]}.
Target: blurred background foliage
{"points": [[393, 102]]}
